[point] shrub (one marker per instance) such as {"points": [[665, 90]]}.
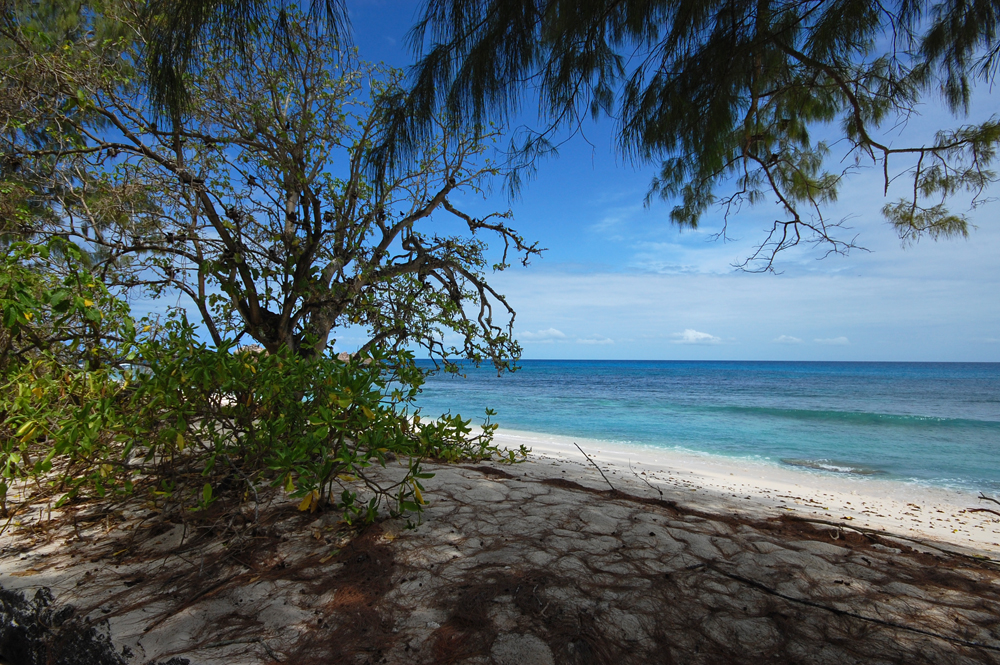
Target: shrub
{"points": [[119, 409]]}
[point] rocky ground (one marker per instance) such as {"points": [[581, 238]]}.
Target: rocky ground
{"points": [[535, 563]]}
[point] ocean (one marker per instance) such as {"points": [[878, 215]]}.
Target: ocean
{"points": [[930, 423]]}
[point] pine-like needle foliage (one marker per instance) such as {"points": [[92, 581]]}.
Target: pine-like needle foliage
{"points": [[178, 31], [724, 92], [725, 96]]}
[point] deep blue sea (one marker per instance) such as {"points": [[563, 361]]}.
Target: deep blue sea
{"points": [[930, 423]]}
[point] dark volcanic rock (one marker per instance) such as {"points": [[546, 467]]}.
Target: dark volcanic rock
{"points": [[35, 632]]}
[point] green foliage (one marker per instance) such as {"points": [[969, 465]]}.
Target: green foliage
{"points": [[52, 304], [62, 383], [165, 415], [305, 424], [725, 96], [179, 31], [257, 208], [255, 205]]}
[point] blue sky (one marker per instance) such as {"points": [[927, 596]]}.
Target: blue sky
{"points": [[618, 281]]}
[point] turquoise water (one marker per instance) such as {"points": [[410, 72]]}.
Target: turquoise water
{"points": [[932, 423]]}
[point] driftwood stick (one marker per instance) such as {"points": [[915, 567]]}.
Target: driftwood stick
{"points": [[983, 510], [643, 479], [983, 497], [595, 466]]}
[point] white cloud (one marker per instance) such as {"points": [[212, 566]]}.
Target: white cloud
{"points": [[833, 341], [690, 257], [548, 335], [874, 313], [616, 219], [786, 339], [596, 339], [692, 336], [605, 224]]}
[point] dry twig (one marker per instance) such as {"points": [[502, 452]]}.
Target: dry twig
{"points": [[595, 466], [983, 497], [643, 479]]}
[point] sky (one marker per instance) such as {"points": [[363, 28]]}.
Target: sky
{"points": [[618, 281]]}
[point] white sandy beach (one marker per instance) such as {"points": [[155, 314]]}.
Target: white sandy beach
{"points": [[760, 489], [528, 563]]}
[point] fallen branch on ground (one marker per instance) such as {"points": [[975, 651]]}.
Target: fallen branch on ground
{"points": [[983, 510], [988, 498], [642, 479], [595, 466]]}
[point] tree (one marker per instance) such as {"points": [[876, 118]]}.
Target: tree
{"points": [[726, 96], [49, 303], [177, 32], [255, 204]]}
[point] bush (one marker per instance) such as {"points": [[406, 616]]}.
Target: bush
{"points": [[115, 409]]}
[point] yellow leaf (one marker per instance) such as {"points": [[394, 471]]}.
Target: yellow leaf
{"points": [[180, 441], [289, 485], [31, 432], [147, 328], [28, 316], [416, 493], [346, 477], [88, 303], [38, 392], [310, 502], [368, 413]]}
